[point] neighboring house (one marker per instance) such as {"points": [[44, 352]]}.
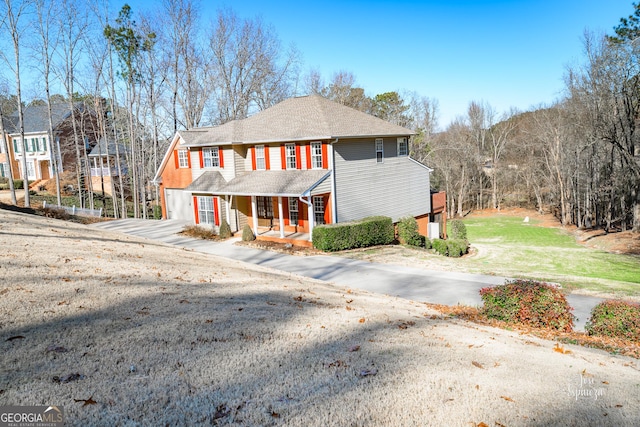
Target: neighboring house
{"points": [[39, 153], [104, 165], [302, 162]]}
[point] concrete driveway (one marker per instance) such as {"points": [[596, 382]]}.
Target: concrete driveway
{"points": [[438, 287]]}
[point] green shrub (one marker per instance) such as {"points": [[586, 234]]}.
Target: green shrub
{"points": [[440, 246], [458, 231], [4, 186], [157, 212], [529, 303], [225, 230], [18, 184], [408, 232], [427, 243], [619, 319], [457, 247], [366, 232], [247, 234]]}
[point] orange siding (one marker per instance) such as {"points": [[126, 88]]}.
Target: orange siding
{"points": [[174, 177]]}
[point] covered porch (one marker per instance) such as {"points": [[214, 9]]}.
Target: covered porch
{"points": [[278, 206]]}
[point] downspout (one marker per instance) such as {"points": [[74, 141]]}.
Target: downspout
{"points": [[334, 204], [310, 214]]}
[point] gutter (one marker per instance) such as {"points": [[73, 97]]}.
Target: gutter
{"points": [[310, 212]]}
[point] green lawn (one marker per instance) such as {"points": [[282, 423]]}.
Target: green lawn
{"points": [[509, 246]]}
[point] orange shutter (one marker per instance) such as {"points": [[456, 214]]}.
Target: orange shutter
{"points": [[216, 213], [201, 159], [266, 157], [283, 157], [298, 158], [253, 158], [189, 159], [175, 157], [195, 209], [308, 156], [325, 157], [221, 155]]}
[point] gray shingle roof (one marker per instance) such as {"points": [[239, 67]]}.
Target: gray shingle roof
{"points": [[287, 183], [36, 117], [103, 148], [302, 118]]}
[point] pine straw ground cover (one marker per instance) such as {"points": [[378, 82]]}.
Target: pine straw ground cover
{"points": [[124, 331]]}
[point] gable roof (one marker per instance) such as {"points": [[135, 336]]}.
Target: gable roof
{"points": [[107, 148], [301, 118]]}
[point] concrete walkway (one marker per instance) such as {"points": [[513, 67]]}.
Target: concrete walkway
{"points": [[439, 287]]}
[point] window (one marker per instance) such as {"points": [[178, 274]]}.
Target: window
{"points": [[293, 211], [2, 170], [290, 152], [403, 147], [260, 161], [16, 145], [31, 170], [379, 150], [265, 207], [205, 210], [44, 145], [183, 158], [211, 157], [34, 144], [318, 209], [316, 155]]}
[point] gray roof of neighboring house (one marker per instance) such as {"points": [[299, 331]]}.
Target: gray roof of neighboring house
{"points": [[302, 118], [288, 183], [103, 148], [36, 117]]}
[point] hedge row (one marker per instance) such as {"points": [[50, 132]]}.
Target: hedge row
{"points": [[451, 247], [615, 318], [370, 231]]}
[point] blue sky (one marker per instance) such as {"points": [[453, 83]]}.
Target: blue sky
{"points": [[507, 53]]}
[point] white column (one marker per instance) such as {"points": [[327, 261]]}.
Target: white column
{"points": [[254, 214], [281, 217], [228, 210]]}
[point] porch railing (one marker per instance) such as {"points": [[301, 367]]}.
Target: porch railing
{"points": [[72, 210]]}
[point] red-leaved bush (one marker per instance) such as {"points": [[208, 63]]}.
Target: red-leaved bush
{"points": [[614, 318], [529, 303]]}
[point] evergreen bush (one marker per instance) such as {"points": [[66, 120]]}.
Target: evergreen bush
{"points": [[225, 230], [247, 234], [529, 303], [366, 232], [458, 231], [408, 232]]}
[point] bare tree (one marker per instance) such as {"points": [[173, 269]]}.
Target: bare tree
{"points": [[5, 98], [13, 25]]}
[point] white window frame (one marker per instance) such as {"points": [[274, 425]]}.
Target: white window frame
{"points": [[293, 211], [206, 215], [43, 141], [316, 155], [403, 147], [261, 162], [31, 169], [379, 150], [291, 160], [211, 157], [183, 158], [318, 209], [17, 145]]}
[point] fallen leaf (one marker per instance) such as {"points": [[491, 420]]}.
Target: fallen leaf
{"points": [[221, 412], [68, 378], [477, 387], [56, 349], [481, 425], [558, 348], [362, 320], [275, 414], [348, 308], [368, 372], [618, 406], [349, 301], [298, 298], [500, 424], [354, 348], [605, 382], [88, 401], [15, 337], [184, 301], [508, 399], [477, 365], [337, 364]]}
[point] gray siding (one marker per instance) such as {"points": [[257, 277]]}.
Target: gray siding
{"points": [[324, 187], [396, 188]]}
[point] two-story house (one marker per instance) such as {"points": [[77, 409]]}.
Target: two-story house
{"points": [[107, 161], [38, 148], [302, 162]]}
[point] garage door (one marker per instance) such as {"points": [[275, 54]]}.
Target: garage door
{"points": [[179, 204]]}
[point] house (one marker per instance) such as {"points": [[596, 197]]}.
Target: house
{"points": [[302, 162], [38, 150], [104, 165]]}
